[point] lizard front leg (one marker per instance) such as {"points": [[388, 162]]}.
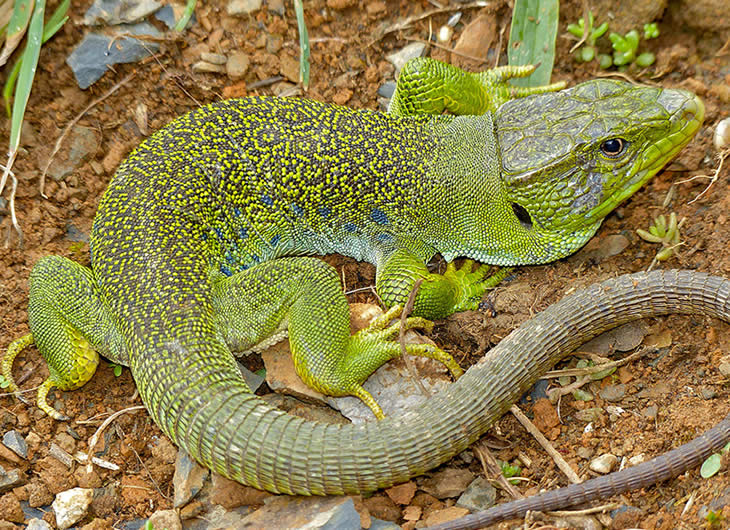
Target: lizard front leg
{"points": [[439, 295], [305, 294], [427, 86]]}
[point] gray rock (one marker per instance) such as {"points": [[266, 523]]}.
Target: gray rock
{"points": [[84, 142], [14, 441], [253, 380], [724, 369], [10, 479], [387, 89], [113, 12], [400, 58], [203, 67], [93, 56], [650, 412], [479, 495], [589, 415], [449, 482], [325, 513], [613, 393], [71, 505], [188, 479], [623, 338], [213, 58], [377, 524], [243, 7]]}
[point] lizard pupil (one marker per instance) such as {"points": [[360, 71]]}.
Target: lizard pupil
{"points": [[613, 147], [523, 216]]}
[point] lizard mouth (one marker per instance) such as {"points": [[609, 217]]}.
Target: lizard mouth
{"points": [[687, 113]]}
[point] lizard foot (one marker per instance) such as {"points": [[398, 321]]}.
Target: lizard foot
{"points": [[472, 284], [364, 352]]}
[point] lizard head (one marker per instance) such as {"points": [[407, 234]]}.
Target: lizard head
{"points": [[569, 158]]}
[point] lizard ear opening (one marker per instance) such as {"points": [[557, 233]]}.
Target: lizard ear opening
{"points": [[522, 215]]}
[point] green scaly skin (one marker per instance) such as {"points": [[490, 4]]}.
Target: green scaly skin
{"points": [[188, 255]]}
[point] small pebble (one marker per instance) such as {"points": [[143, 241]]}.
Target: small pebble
{"points": [[724, 369], [237, 65], [213, 58], [722, 134], [604, 464], [203, 67], [637, 459]]}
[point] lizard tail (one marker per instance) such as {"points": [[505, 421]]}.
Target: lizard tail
{"points": [[198, 397]]}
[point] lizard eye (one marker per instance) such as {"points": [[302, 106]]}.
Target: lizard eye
{"points": [[523, 215], [613, 147]]}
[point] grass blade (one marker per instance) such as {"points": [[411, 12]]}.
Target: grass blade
{"points": [[187, 14], [532, 39], [303, 44]]}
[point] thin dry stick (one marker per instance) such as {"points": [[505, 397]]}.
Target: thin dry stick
{"points": [[410, 20], [402, 334], [489, 464], [586, 11], [588, 511], [545, 443], [74, 122], [588, 370], [447, 48], [95, 438]]}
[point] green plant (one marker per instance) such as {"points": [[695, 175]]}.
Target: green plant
{"points": [[509, 470], [713, 463], [626, 47], [117, 369], [665, 232], [532, 39], [4, 383], [588, 34], [651, 30]]}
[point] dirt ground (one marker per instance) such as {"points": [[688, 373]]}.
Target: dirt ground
{"points": [[682, 379]]}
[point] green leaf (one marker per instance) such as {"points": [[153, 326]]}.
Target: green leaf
{"points": [[576, 30], [605, 61], [645, 59], [632, 39], [22, 11], [53, 24], [711, 466], [532, 39], [599, 31], [587, 54]]}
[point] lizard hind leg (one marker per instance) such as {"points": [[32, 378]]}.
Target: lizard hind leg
{"points": [[68, 325]]}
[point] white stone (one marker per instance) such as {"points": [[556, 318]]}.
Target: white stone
{"points": [[243, 7], [604, 464], [71, 505]]}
